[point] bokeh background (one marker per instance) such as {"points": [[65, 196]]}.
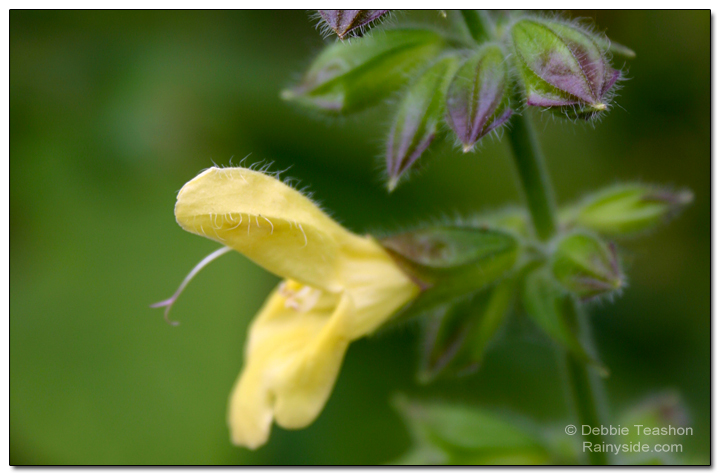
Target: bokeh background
{"points": [[112, 112]]}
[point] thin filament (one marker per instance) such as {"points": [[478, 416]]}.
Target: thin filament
{"points": [[169, 302]]}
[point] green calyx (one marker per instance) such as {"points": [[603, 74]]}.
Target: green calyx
{"points": [[454, 260], [563, 68], [418, 121], [553, 309], [586, 266], [458, 334], [626, 209], [349, 77]]}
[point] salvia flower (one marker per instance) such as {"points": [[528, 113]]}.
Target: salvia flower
{"points": [[347, 23], [478, 99], [338, 287], [563, 67]]}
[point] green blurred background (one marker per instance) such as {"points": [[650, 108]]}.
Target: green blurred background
{"points": [[112, 112]]}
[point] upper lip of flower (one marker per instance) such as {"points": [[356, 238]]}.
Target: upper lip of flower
{"points": [[339, 287]]}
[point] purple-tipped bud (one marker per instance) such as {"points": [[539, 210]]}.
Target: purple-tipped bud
{"points": [[347, 23], [587, 266], [563, 67], [478, 99], [418, 120]]}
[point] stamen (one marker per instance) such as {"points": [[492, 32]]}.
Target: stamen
{"points": [[171, 301], [301, 300]]}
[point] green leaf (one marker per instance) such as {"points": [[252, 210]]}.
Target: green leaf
{"points": [[553, 310], [350, 76], [458, 334], [418, 119], [471, 436]]}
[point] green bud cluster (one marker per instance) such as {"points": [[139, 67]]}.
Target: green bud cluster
{"points": [[466, 76], [449, 84], [471, 274]]}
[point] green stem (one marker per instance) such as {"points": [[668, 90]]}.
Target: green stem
{"points": [[585, 394], [533, 177], [476, 24], [539, 198]]}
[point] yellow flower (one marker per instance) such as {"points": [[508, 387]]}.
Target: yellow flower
{"points": [[338, 287]]}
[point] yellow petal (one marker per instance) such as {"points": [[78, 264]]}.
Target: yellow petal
{"points": [[267, 221], [340, 287], [377, 286], [292, 360]]}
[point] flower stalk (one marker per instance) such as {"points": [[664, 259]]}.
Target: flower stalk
{"points": [[585, 396], [537, 190], [534, 180]]}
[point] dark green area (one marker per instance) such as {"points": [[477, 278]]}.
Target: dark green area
{"points": [[112, 112]]}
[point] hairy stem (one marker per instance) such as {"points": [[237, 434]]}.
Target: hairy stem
{"points": [[585, 394], [533, 177], [538, 194]]}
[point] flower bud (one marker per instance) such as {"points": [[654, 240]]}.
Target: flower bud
{"points": [[478, 99], [586, 266], [458, 334], [418, 119], [346, 23], [348, 77], [563, 67], [449, 261], [628, 209], [658, 410], [662, 411]]}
